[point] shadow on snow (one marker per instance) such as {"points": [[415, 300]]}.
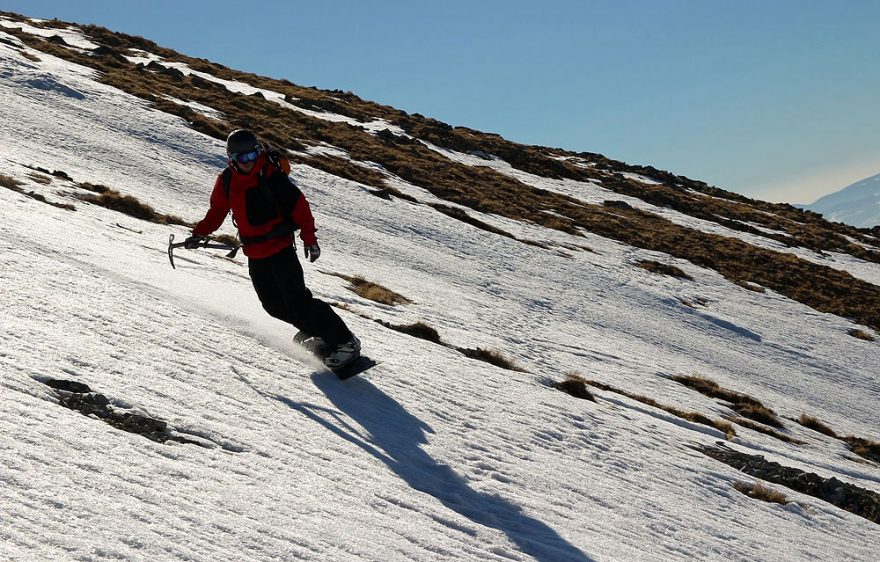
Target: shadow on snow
{"points": [[395, 436]]}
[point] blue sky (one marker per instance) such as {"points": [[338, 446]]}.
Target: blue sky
{"points": [[775, 99]]}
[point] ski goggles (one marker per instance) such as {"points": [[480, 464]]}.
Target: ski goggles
{"points": [[245, 157]]}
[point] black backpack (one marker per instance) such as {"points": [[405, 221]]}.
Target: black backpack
{"points": [[287, 226]]}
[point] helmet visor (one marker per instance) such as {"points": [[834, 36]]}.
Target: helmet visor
{"points": [[245, 157]]}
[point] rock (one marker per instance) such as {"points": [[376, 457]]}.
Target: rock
{"points": [[69, 386], [859, 501], [617, 204]]}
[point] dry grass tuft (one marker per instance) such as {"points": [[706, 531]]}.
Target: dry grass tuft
{"points": [[373, 291], [128, 205], [419, 330], [9, 182], [40, 178], [15, 185], [814, 424], [493, 357], [696, 417], [754, 410], [861, 334], [765, 430], [575, 385], [754, 287], [227, 239], [865, 448], [663, 269], [761, 492], [742, 404]]}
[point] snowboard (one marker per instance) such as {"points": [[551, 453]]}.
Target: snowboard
{"points": [[319, 349]]}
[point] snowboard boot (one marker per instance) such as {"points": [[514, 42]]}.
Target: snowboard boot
{"points": [[344, 353]]}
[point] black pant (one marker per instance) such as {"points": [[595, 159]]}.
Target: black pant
{"points": [[282, 290]]}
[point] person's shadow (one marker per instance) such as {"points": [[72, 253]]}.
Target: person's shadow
{"points": [[395, 436]]}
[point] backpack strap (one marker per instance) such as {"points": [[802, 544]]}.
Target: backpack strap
{"points": [[287, 225], [227, 181]]}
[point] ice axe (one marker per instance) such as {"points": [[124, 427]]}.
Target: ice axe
{"points": [[206, 243]]}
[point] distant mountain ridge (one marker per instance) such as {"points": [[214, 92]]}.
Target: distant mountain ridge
{"points": [[857, 204]]}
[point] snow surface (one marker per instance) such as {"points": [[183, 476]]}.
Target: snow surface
{"points": [[857, 204], [430, 455]]}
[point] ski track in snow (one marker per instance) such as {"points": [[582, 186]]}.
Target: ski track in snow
{"points": [[429, 456]]}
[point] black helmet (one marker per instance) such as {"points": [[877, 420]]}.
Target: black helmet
{"points": [[241, 140]]}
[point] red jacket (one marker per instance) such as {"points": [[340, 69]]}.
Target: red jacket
{"points": [[259, 221]]}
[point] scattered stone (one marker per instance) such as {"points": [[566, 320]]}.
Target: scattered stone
{"points": [[78, 396], [859, 501], [69, 386], [58, 40], [616, 204]]}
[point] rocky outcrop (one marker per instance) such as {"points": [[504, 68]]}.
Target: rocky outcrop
{"points": [[859, 501]]}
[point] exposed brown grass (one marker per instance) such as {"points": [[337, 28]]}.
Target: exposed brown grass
{"points": [[419, 330], [696, 417], [754, 287], [861, 334], [463, 216], [754, 426], [816, 425], [40, 178], [663, 269], [15, 185], [865, 448], [128, 205], [575, 385], [347, 169], [10, 183], [742, 404], [761, 492], [491, 356], [227, 239], [373, 291]]}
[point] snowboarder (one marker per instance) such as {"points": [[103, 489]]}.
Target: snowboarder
{"points": [[268, 208]]}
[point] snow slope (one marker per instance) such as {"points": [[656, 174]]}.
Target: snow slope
{"points": [[429, 456], [857, 204]]}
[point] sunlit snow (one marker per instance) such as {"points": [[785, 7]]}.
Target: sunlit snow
{"points": [[428, 456]]}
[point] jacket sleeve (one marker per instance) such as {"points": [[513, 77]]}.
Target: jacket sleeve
{"points": [[302, 216], [216, 213]]}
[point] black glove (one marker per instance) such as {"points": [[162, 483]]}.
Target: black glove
{"points": [[313, 252], [193, 241]]}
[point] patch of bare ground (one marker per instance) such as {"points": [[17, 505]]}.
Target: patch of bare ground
{"points": [[865, 448], [742, 404], [861, 334], [491, 356], [695, 417], [663, 269], [418, 329], [15, 185], [575, 385], [373, 291], [859, 501], [761, 492], [760, 428], [126, 204]]}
